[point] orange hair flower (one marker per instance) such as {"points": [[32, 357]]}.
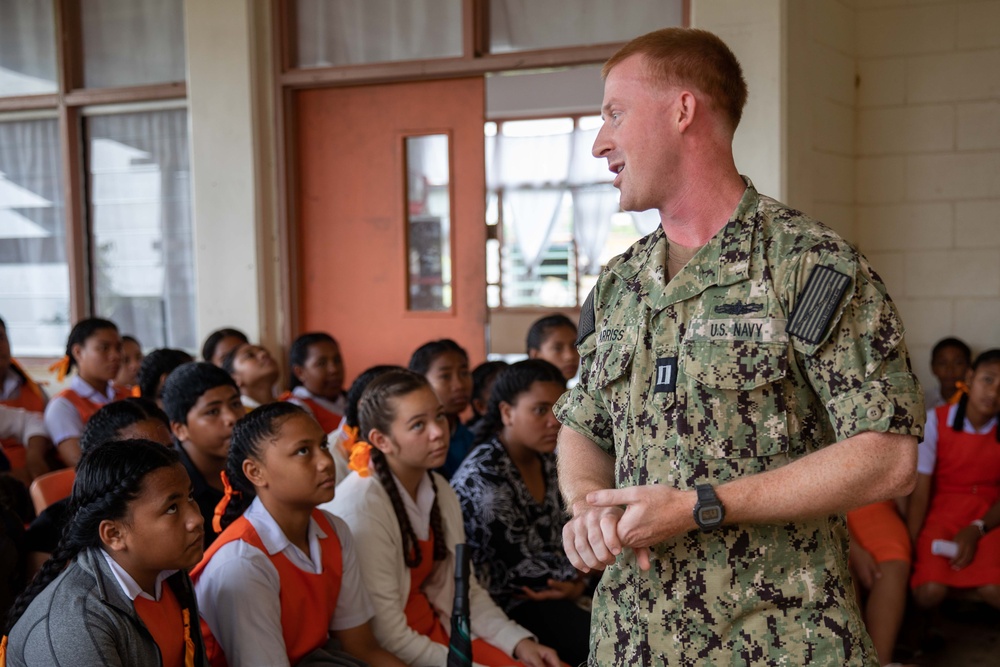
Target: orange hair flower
{"points": [[60, 368], [361, 455]]}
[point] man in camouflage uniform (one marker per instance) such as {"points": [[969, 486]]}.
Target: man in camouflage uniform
{"points": [[742, 346]]}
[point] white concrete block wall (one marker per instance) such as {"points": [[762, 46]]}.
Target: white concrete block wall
{"points": [[928, 164]]}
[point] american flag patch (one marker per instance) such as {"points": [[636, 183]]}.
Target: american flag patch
{"points": [[816, 304]]}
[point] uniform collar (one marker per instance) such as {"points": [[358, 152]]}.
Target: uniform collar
{"points": [[724, 260]]}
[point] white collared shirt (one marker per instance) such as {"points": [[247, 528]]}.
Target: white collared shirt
{"points": [[419, 510], [129, 587], [62, 418], [20, 424], [10, 388], [238, 591], [927, 451]]}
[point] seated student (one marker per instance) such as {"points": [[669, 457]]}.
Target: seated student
{"points": [[553, 338], [445, 365], [220, 343], [95, 349], [155, 368], [282, 578], [203, 404], [957, 497], [483, 377], [18, 390], [341, 442], [318, 379], [514, 514], [19, 425], [128, 371], [116, 591], [127, 419], [255, 372], [406, 521], [950, 360]]}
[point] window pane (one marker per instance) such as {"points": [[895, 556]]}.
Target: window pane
{"points": [[428, 238], [521, 25], [140, 217], [132, 42], [350, 32], [27, 47], [34, 277]]}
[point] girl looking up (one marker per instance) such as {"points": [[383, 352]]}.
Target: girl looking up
{"points": [[116, 590], [318, 378], [94, 349], [514, 514], [255, 372], [220, 343], [957, 497], [407, 521], [445, 365], [282, 577]]}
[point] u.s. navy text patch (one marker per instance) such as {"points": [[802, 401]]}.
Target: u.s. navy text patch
{"points": [[816, 304]]}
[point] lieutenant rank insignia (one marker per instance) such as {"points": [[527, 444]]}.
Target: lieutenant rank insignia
{"points": [[815, 305]]}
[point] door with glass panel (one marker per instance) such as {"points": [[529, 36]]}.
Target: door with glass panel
{"points": [[390, 202]]}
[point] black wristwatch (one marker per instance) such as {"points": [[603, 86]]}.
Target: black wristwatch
{"points": [[708, 511]]}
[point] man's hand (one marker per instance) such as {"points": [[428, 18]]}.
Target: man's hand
{"points": [[652, 514], [967, 540], [590, 538], [533, 654]]}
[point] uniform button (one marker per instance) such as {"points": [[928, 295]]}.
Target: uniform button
{"points": [[874, 413]]}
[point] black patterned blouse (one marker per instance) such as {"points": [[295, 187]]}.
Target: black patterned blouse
{"points": [[515, 541]]}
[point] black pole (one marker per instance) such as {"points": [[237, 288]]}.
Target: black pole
{"points": [[460, 642]]}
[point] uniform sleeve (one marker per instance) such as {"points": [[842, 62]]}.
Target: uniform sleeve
{"points": [[354, 606], [62, 420], [847, 337], [582, 408], [927, 453], [20, 424], [239, 599]]}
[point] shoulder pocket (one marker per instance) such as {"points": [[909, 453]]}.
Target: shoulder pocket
{"points": [[734, 398]]}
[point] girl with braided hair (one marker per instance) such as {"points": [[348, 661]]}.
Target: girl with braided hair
{"points": [[407, 521], [513, 512], [116, 589], [282, 580]]}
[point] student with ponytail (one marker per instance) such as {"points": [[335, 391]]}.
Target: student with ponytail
{"points": [[407, 521], [514, 514], [957, 497], [282, 578], [94, 349], [318, 379], [116, 591]]}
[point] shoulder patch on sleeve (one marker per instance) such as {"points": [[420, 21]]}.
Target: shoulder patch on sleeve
{"points": [[587, 324], [816, 304]]}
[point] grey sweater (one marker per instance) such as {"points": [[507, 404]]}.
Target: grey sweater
{"points": [[84, 619]]}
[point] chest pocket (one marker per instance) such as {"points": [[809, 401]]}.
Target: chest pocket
{"points": [[735, 402]]}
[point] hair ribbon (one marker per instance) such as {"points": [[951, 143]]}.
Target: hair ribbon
{"points": [[960, 388], [60, 368], [228, 494], [361, 454]]}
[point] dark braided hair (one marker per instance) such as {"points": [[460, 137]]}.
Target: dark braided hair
{"points": [[109, 421], [108, 478], [216, 337], [987, 357], [83, 330], [540, 330], [376, 412], [298, 353], [358, 388], [157, 364], [424, 356], [249, 434], [511, 383]]}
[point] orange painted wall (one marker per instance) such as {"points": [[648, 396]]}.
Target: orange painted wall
{"points": [[351, 268]]}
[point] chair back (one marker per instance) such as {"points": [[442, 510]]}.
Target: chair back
{"points": [[50, 487]]}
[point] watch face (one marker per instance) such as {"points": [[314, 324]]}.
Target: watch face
{"points": [[709, 515]]}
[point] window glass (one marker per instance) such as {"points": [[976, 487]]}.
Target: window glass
{"points": [[428, 237], [34, 277], [140, 222], [350, 32], [27, 48], [132, 42], [522, 25]]}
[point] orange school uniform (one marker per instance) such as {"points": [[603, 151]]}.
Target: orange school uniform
{"points": [[86, 407], [31, 398], [308, 600], [170, 627], [328, 420]]}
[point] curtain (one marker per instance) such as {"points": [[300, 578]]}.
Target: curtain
{"points": [[27, 48], [592, 210]]}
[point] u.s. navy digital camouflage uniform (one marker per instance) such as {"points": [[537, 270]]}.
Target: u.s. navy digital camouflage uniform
{"points": [[718, 375]]}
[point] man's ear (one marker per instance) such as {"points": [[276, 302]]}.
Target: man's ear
{"points": [[687, 106], [179, 430], [112, 534]]}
